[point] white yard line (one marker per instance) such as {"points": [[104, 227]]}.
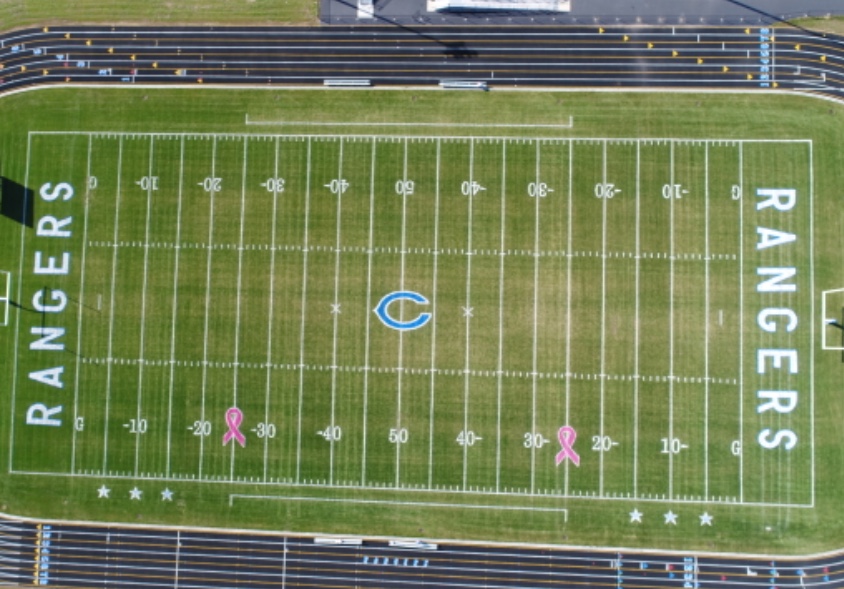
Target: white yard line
{"points": [[741, 319], [175, 305], [142, 329], [569, 241], [401, 333], [335, 319], [601, 425], [500, 362], [706, 330], [436, 255], [80, 308], [671, 337], [304, 314], [368, 344], [236, 372], [534, 358], [111, 306], [636, 329], [467, 314], [270, 312], [207, 303]]}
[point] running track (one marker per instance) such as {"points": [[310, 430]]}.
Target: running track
{"points": [[707, 58]]}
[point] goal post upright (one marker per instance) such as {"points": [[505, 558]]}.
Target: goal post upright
{"points": [[4, 299]]}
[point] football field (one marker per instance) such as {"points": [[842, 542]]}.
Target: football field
{"points": [[598, 318]]}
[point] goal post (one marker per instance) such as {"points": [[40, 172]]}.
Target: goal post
{"points": [[832, 316], [5, 293]]}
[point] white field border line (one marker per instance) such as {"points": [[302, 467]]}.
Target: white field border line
{"points": [[375, 136], [207, 301], [601, 426], [368, 342], [468, 315], [174, 316], [304, 314], [422, 490], [80, 309], [338, 241], [636, 329], [234, 496], [235, 376], [401, 312], [18, 315], [111, 304], [434, 314], [500, 360], [814, 318], [5, 298], [535, 327], [142, 329], [271, 310], [450, 125]]}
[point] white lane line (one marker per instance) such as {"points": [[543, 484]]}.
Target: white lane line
{"points": [[111, 304], [706, 327], [671, 335], [175, 306]]}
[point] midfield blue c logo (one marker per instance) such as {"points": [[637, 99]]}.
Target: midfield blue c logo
{"points": [[386, 319]]}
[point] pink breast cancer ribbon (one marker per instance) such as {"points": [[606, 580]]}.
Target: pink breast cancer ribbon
{"points": [[567, 436], [234, 417]]}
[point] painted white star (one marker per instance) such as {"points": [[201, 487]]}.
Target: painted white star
{"points": [[102, 492], [670, 518], [135, 494], [636, 516], [166, 495], [467, 311], [705, 519], [335, 308]]}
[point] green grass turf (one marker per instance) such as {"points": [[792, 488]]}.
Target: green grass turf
{"points": [[771, 478], [16, 14]]}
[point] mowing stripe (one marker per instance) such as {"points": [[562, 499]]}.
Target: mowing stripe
{"points": [[304, 314], [368, 342], [434, 313], [636, 329], [236, 372], [500, 361], [271, 310]]}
